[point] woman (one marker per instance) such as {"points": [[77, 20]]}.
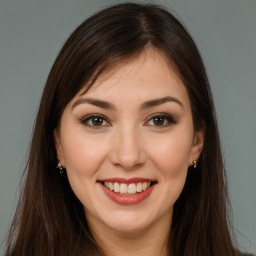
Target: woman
{"points": [[128, 118]]}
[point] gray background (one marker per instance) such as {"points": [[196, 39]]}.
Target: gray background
{"points": [[31, 34]]}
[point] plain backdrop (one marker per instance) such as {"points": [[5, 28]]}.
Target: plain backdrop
{"points": [[31, 35]]}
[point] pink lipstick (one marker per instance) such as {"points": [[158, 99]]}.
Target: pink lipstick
{"points": [[127, 191]]}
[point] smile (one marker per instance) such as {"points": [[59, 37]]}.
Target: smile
{"points": [[127, 189]]}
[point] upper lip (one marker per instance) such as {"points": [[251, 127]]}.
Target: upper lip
{"points": [[127, 181]]}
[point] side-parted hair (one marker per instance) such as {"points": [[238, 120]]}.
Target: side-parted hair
{"points": [[49, 219]]}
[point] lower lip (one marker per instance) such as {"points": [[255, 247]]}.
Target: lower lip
{"points": [[126, 199]]}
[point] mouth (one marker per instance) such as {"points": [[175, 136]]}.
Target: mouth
{"points": [[127, 189]]}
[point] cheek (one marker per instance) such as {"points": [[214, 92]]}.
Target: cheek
{"points": [[170, 156], [82, 154], [83, 157]]}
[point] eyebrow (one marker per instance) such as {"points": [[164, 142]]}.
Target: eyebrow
{"points": [[110, 106], [157, 102], [95, 102]]}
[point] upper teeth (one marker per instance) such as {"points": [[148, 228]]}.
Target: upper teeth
{"points": [[124, 188]]}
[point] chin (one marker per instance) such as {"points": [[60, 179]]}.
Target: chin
{"points": [[131, 222]]}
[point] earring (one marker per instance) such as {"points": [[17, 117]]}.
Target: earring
{"points": [[195, 164], [59, 167]]}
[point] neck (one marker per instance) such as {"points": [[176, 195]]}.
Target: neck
{"points": [[151, 241]]}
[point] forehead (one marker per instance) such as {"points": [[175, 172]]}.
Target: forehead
{"points": [[148, 75]]}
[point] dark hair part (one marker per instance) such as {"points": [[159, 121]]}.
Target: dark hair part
{"points": [[49, 219]]}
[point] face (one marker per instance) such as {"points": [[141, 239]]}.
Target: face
{"points": [[127, 144]]}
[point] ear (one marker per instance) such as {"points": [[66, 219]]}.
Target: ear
{"points": [[197, 145], [58, 147]]}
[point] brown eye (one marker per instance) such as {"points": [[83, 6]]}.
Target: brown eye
{"points": [[161, 120], [158, 120], [97, 121]]}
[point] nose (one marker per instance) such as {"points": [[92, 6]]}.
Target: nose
{"points": [[128, 149]]}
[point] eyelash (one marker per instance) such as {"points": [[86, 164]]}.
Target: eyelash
{"points": [[85, 120], [168, 120]]}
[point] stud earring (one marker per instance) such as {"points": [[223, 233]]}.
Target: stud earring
{"points": [[195, 164], [59, 167]]}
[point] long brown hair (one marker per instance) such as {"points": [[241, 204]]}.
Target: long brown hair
{"points": [[49, 219]]}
